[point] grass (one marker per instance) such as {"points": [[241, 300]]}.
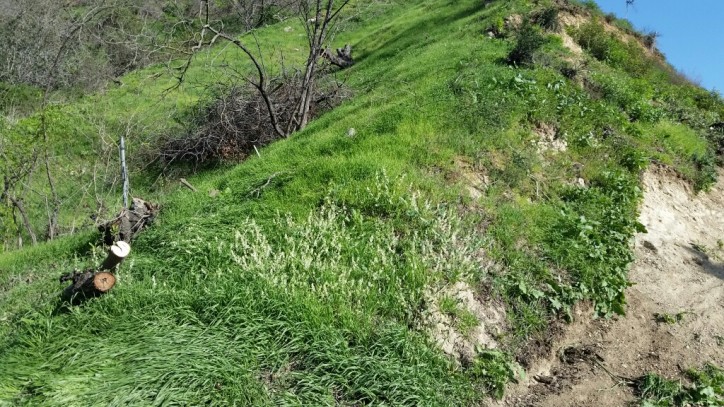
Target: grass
{"points": [[706, 389], [303, 281], [463, 320]]}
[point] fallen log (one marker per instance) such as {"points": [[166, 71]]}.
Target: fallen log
{"points": [[93, 283]]}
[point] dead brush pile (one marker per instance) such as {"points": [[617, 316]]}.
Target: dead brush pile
{"points": [[232, 124]]}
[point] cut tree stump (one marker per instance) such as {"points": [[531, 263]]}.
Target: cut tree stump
{"points": [[116, 254], [93, 283], [343, 57]]}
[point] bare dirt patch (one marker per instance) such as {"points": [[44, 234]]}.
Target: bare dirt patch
{"points": [[675, 315], [548, 139], [474, 180], [571, 44], [449, 331]]}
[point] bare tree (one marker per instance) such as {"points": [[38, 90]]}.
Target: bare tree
{"points": [[16, 166], [319, 17]]}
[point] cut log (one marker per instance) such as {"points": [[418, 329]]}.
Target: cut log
{"points": [[103, 281], [88, 284], [93, 283], [188, 184]]}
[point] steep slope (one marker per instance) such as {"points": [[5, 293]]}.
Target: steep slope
{"points": [[674, 318], [420, 259]]}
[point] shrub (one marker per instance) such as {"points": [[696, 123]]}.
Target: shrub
{"points": [[594, 39], [592, 6], [548, 19], [706, 174], [649, 39], [607, 48], [528, 41]]}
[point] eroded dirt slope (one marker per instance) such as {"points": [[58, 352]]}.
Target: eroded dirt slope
{"points": [[678, 276]]}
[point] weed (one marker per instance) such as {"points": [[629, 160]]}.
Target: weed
{"points": [[670, 319], [498, 27], [657, 391], [494, 370], [650, 38], [448, 306], [467, 322]]}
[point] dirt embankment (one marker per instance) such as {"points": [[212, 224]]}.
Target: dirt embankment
{"points": [[675, 316]]}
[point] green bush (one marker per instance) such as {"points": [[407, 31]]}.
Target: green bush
{"points": [[19, 98], [527, 42], [706, 170], [605, 47], [548, 19]]}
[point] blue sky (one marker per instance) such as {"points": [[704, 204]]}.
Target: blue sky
{"points": [[692, 33]]}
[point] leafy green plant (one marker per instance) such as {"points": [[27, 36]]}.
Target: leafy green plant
{"points": [[493, 370], [707, 389], [706, 167], [635, 160], [670, 318], [498, 27]]}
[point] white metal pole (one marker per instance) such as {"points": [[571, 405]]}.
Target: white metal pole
{"points": [[124, 172]]}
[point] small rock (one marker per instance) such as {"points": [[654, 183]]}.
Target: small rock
{"points": [[288, 29], [214, 193], [351, 132], [580, 182]]}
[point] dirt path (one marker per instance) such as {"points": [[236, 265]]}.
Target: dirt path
{"points": [[678, 276]]}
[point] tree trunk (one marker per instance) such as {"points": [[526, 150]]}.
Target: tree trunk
{"points": [[26, 221]]}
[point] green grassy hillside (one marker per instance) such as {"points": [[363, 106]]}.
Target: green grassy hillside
{"points": [[311, 277]]}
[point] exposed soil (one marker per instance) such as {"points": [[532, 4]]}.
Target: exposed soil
{"points": [[447, 333], [679, 277]]}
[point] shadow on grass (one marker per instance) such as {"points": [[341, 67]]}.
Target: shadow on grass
{"points": [[419, 34]]}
